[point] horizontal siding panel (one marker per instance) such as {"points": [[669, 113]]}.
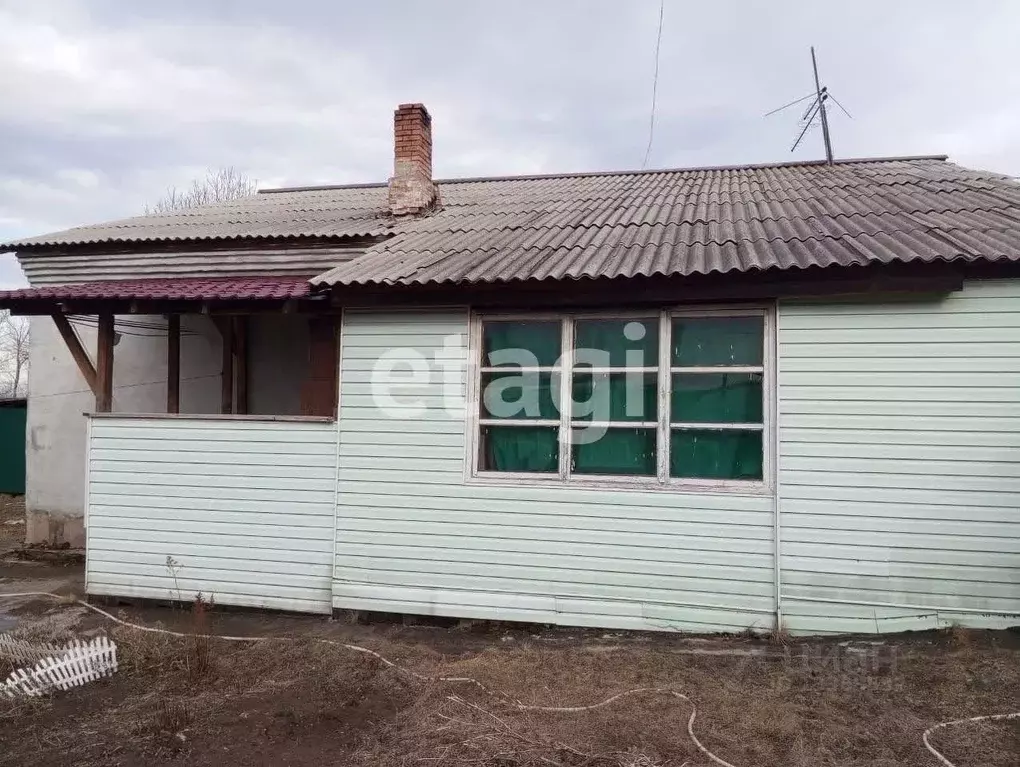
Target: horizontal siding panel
{"points": [[200, 557], [121, 586], [1001, 485], [122, 515], [891, 318], [902, 408], [819, 492], [163, 541], [958, 601], [883, 451], [876, 552], [910, 364], [664, 506], [795, 394], [943, 509], [292, 470], [244, 508], [979, 470], [803, 570], [516, 525], [319, 459], [680, 553], [509, 580], [896, 540], [906, 336], [413, 535], [869, 353], [56, 269], [900, 460], [212, 479], [592, 578], [616, 614], [825, 439]]}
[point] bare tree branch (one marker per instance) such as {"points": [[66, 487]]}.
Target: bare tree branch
{"points": [[217, 186], [14, 343]]}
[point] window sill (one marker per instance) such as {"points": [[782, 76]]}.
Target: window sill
{"points": [[636, 484]]}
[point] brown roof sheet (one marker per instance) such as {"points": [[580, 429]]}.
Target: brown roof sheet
{"points": [[689, 221], [168, 289]]}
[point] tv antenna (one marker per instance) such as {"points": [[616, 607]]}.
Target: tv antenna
{"points": [[814, 111]]}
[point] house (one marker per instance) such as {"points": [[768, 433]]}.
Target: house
{"points": [[703, 399]]}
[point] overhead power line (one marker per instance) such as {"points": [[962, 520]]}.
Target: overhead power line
{"points": [[655, 86]]}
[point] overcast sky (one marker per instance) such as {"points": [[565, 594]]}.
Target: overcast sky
{"points": [[105, 103]]}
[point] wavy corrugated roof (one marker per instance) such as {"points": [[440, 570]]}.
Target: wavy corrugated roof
{"points": [[692, 221]]}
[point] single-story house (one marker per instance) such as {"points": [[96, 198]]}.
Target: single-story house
{"points": [[703, 399]]}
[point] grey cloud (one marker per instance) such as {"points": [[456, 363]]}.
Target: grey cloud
{"points": [[108, 103]]}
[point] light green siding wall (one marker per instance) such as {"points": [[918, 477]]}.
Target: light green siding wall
{"points": [[900, 461], [413, 536], [244, 508]]}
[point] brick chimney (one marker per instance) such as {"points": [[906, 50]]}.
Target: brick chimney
{"points": [[411, 188]]}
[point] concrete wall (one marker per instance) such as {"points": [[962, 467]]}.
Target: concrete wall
{"points": [[58, 397]]}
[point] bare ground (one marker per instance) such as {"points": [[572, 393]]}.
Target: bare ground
{"points": [[188, 702], [12, 521]]}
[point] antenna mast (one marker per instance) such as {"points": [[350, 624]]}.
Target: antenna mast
{"points": [[815, 109], [821, 109]]}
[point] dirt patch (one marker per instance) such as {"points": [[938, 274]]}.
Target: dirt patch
{"points": [[12, 521], [209, 702]]}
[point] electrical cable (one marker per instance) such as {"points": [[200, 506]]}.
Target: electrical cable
{"points": [[520, 706], [655, 86]]}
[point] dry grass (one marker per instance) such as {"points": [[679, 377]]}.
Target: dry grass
{"points": [[213, 702]]}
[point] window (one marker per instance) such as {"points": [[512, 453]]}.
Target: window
{"points": [[660, 398]]}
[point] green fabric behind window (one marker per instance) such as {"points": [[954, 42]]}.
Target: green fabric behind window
{"points": [[619, 452], [610, 394], [704, 341], [617, 337], [541, 338], [520, 395], [715, 454], [716, 398], [520, 448]]}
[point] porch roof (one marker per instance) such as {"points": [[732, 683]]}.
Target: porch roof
{"points": [[170, 289]]}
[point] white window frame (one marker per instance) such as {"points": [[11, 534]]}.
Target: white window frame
{"points": [[665, 370]]}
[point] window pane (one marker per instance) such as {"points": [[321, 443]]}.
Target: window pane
{"points": [[715, 454], [520, 395], [539, 341], [617, 343], [706, 341], [618, 451], [716, 398], [520, 448], [614, 397]]}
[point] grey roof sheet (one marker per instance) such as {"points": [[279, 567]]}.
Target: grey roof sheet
{"points": [[692, 221]]}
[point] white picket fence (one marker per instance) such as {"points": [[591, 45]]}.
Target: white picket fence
{"points": [[62, 668]]}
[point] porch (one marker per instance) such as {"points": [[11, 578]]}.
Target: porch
{"points": [[237, 348]]}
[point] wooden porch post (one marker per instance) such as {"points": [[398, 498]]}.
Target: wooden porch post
{"points": [[227, 376], [240, 333], [173, 363], [104, 364]]}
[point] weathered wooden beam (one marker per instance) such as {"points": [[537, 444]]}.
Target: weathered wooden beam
{"points": [[104, 364], [173, 363], [240, 333], [78, 353], [227, 374]]}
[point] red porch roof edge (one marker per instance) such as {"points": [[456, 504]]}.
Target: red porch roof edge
{"points": [[276, 288]]}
